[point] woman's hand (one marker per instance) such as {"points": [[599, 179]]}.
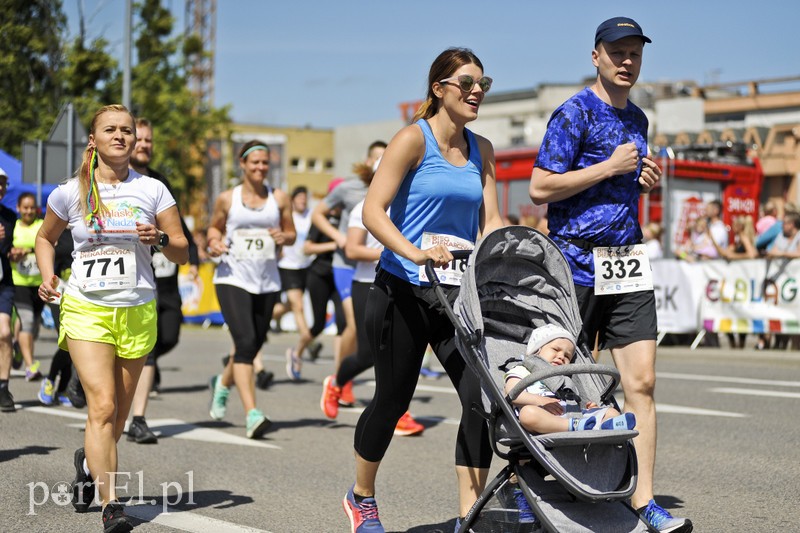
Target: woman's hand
{"points": [[47, 290], [277, 235], [148, 234], [439, 254], [216, 247]]}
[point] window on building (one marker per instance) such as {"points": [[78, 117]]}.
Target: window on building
{"points": [[297, 164], [313, 164], [329, 165]]}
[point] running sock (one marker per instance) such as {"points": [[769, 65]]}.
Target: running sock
{"points": [[86, 467], [623, 421], [581, 424], [3, 384], [138, 419], [359, 498]]}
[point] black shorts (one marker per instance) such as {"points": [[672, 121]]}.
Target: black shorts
{"points": [[619, 319], [293, 278]]}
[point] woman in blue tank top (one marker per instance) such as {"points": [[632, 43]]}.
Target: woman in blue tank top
{"points": [[439, 179]]}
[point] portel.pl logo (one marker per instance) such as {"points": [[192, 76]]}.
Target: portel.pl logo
{"points": [[60, 493]]}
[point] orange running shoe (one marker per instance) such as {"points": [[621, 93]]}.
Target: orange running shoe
{"points": [[407, 426], [329, 403], [347, 399]]}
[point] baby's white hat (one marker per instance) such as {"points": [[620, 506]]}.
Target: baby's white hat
{"points": [[544, 334]]}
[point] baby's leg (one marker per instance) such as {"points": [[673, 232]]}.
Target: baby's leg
{"points": [[537, 420]]}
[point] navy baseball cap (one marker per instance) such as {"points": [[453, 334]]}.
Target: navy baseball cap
{"points": [[618, 28]]}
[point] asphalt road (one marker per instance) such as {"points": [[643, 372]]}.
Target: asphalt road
{"points": [[727, 453]]}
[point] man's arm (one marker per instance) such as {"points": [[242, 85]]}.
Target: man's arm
{"points": [[547, 186]]}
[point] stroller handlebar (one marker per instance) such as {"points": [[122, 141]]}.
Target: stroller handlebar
{"points": [[434, 279], [566, 370]]}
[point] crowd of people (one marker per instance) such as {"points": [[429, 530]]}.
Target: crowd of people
{"points": [[111, 278]]}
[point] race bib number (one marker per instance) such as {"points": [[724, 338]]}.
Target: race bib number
{"points": [[622, 269], [451, 273], [105, 267], [163, 267], [27, 266], [254, 243]]}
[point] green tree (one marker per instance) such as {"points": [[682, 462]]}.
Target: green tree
{"points": [[31, 32], [91, 77], [160, 92]]}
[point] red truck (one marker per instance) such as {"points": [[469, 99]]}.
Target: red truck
{"points": [[688, 185]]}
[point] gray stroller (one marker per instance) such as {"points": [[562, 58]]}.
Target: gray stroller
{"points": [[517, 279]]}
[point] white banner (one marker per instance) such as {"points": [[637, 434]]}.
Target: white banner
{"points": [[751, 296], [678, 289], [747, 296]]}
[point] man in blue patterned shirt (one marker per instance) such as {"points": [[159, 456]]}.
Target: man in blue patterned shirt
{"points": [[592, 167]]}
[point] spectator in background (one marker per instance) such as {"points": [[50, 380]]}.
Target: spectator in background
{"points": [[742, 247], [652, 240], [719, 231], [700, 245], [766, 239], [7, 221], [27, 278], [744, 237], [768, 218], [787, 244]]}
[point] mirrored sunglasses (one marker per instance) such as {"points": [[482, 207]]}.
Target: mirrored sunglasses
{"points": [[467, 82]]}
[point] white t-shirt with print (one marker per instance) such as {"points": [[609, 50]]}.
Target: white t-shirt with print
{"points": [[137, 199], [365, 270]]}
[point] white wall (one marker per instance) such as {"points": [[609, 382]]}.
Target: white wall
{"points": [[350, 142]]}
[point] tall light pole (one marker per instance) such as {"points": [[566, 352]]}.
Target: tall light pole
{"points": [[126, 70]]}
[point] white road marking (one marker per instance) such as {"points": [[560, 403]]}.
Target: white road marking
{"points": [[171, 427], [185, 520], [725, 379], [754, 392]]}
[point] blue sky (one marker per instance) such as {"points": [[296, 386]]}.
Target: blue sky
{"points": [[325, 64]]}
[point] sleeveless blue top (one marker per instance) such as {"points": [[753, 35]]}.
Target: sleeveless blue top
{"points": [[436, 197]]}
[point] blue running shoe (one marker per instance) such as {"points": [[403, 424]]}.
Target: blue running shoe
{"points": [[293, 364], [525, 512], [363, 516], [46, 392], [660, 520], [64, 400]]}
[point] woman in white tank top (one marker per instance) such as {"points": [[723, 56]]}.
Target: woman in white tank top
{"points": [[249, 225]]}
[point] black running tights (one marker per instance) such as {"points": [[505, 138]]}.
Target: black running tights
{"points": [[62, 362], [170, 318], [321, 289], [247, 316], [360, 361], [400, 323]]}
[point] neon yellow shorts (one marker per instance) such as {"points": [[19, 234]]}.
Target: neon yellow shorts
{"points": [[131, 329]]}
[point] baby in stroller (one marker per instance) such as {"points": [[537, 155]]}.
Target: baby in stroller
{"points": [[538, 408]]}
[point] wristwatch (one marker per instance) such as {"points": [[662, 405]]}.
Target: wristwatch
{"points": [[163, 239]]}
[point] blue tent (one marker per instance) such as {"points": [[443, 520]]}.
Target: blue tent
{"points": [[13, 168]]}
